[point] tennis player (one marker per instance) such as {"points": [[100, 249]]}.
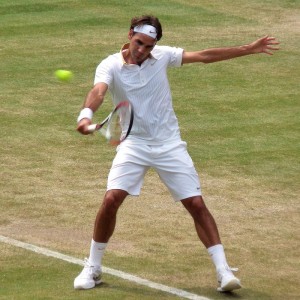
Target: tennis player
{"points": [[139, 73]]}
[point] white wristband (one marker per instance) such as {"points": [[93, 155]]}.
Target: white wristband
{"points": [[85, 113]]}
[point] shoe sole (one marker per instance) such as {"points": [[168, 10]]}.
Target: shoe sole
{"points": [[231, 285], [89, 286]]}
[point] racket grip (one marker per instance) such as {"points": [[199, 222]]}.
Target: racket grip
{"points": [[93, 127]]}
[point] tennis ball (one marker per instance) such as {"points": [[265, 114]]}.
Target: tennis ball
{"points": [[63, 75]]}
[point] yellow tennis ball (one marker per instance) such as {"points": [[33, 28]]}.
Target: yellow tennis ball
{"points": [[63, 75]]}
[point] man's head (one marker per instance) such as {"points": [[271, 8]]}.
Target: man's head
{"points": [[138, 24], [144, 32]]}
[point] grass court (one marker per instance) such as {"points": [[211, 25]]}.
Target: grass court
{"points": [[240, 119]]}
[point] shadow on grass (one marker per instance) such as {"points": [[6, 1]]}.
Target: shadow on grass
{"points": [[243, 293]]}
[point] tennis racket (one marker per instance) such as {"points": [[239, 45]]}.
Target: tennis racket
{"points": [[117, 126]]}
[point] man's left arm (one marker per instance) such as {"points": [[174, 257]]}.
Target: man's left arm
{"points": [[263, 45]]}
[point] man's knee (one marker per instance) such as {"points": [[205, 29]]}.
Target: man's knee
{"points": [[112, 201], [194, 204]]}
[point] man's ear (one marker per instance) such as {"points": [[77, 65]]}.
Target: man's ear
{"points": [[130, 34]]}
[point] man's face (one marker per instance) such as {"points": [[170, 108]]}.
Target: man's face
{"points": [[140, 47]]}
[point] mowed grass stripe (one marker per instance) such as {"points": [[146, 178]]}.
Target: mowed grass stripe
{"points": [[117, 273]]}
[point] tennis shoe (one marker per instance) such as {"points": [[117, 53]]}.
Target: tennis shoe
{"points": [[89, 277], [227, 281]]}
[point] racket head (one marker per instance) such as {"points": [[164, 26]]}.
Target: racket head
{"points": [[119, 123]]}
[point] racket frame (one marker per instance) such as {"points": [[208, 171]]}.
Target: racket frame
{"points": [[99, 127]]}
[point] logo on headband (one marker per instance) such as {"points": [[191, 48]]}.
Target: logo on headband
{"points": [[146, 29]]}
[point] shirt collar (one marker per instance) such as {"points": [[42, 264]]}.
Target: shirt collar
{"points": [[125, 47]]}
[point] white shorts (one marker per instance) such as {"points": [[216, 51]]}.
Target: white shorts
{"points": [[171, 161]]}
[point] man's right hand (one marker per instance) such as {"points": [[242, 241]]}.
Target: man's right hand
{"points": [[82, 126]]}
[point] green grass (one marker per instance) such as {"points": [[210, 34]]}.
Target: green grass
{"points": [[240, 119], [31, 276]]}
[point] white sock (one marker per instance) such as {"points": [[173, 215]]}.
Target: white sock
{"points": [[217, 255], [96, 253]]}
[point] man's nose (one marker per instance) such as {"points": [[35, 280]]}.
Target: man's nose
{"points": [[142, 49]]}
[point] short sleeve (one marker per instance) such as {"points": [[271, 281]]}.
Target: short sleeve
{"points": [[171, 55], [104, 72], [175, 56]]}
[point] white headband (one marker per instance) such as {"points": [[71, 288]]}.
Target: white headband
{"points": [[146, 29]]}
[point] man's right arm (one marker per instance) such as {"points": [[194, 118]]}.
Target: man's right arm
{"points": [[92, 102]]}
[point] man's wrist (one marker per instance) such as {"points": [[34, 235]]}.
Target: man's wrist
{"points": [[86, 113]]}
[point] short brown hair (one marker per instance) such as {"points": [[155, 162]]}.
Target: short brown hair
{"points": [[147, 20]]}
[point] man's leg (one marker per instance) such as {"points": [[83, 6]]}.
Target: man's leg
{"points": [[204, 222], [208, 233], [103, 229], [106, 217]]}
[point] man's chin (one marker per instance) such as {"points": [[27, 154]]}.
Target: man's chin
{"points": [[139, 60]]}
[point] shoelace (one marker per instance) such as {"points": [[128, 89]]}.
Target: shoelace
{"points": [[233, 269], [226, 269], [87, 263], [87, 266]]}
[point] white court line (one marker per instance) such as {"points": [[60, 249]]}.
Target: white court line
{"points": [[120, 274]]}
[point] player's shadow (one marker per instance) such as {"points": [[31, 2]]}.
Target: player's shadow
{"points": [[209, 292], [243, 293]]}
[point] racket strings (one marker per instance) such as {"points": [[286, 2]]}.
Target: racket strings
{"points": [[119, 124]]}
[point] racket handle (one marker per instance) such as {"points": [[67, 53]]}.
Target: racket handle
{"points": [[93, 127]]}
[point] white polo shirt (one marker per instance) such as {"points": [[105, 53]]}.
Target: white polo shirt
{"points": [[147, 88]]}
